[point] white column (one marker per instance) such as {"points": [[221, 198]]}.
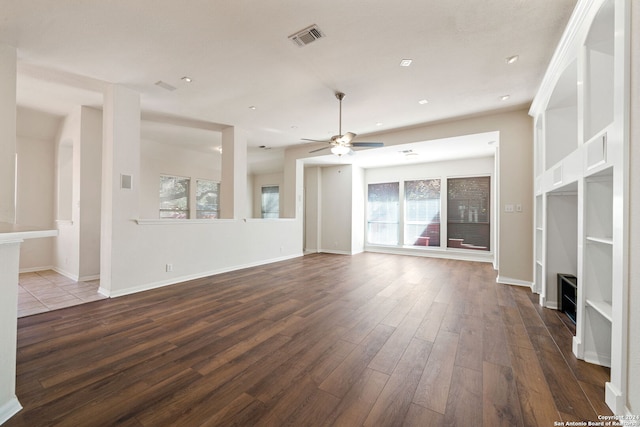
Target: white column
{"points": [[9, 261], [7, 133], [120, 185], [233, 185]]}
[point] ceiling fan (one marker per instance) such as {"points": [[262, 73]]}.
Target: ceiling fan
{"points": [[342, 144]]}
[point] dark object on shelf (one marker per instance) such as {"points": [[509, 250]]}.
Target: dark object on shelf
{"points": [[568, 295]]}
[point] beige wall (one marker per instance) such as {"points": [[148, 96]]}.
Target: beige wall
{"points": [[515, 164]]}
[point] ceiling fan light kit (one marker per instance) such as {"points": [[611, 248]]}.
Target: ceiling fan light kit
{"points": [[342, 144], [340, 150]]}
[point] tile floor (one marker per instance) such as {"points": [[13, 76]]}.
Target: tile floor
{"points": [[47, 290]]}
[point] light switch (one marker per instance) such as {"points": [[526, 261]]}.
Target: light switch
{"points": [[518, 207], [508, 207]]}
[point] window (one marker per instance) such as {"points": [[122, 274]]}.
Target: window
{"points": [[468, 213], [174, 197], [271, 201], [382, 213], [422, 212], [207, 193]]}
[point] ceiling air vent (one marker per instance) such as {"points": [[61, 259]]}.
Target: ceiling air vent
{"points": [[306, 36], [165, 85]]}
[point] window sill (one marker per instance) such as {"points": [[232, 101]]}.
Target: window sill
{"points": [[434, 251], [171, 221]]}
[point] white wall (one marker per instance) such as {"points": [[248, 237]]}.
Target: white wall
{"points": [[78, 194], [136, 252], [66, 255], [158, 158], [35, 202], [633, 374], [336, 210], [358, 207], [312, 211], [89, 193]]}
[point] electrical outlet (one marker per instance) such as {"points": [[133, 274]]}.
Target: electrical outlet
{"points": [[169, 268]]}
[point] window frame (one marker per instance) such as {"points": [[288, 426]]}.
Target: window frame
{"points": [[272, 214], [216, 210], [186, 210], [369, 221], [427, 222]]}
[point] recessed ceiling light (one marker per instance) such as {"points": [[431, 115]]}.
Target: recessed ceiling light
{"points": [[423, 102], [511, 59], [252, 107], [406, 62], [505, 97], [187, 79], [379, 124]]}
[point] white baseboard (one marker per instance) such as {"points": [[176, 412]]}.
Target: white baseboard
{"points": [[36, 269], [445, 253], [9, 409], [88, 278], [66, 274], [516, 282], [331, 251], [176, 280]]}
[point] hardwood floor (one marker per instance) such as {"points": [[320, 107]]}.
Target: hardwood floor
{"points": [[323, 340]]}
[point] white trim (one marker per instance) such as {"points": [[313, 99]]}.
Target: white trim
{"points": [[9, 409], [65, 273], [515, 282], [562, 56], [88, 278], [171, 221], [181, 279], [36, 269], [13, 233], [462, 255], [332, 251], [176, 221], [615, 400]]}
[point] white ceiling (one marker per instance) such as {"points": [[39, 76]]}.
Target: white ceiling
{"points": [[239, 55]]}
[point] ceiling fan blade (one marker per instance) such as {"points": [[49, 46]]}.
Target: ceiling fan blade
{"points": [[347, 137], [367, 144], [314, 140], [319, 149]]}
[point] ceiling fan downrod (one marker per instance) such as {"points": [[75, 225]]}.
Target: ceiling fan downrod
{"points": [[340, 96]]}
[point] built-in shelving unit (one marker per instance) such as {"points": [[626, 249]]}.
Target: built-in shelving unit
{"points": [[598, 267], [581, 121]]}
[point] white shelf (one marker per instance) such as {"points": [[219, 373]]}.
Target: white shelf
{"points": [[602, 307], [603, 240]]}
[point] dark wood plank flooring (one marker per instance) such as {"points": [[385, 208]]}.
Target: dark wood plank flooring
{"points": [[322, 340]]}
